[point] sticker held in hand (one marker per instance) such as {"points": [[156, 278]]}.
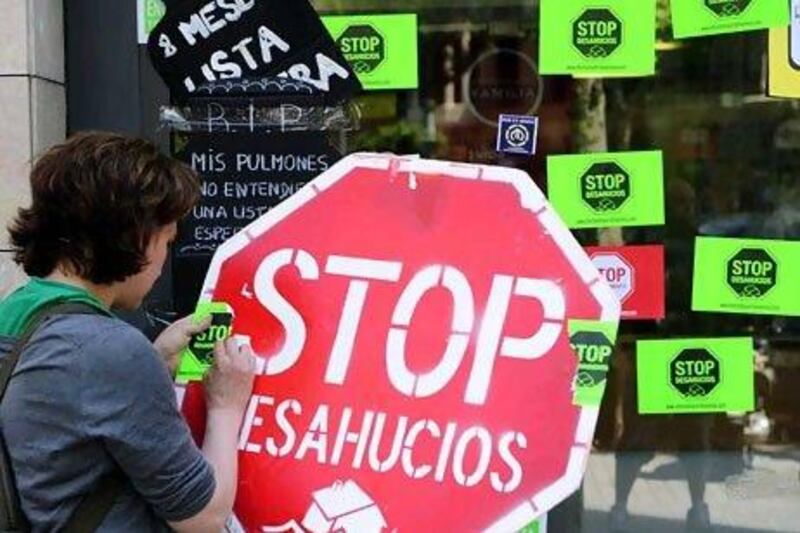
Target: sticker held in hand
{"points": [[198, 357]]}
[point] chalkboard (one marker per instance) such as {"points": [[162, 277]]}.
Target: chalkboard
{"points": [[243, 176]]}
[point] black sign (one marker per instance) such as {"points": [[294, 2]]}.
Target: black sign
{"points": [[243, 177], [694, 372], [752, 272], [210, 40], [605, 186], [597, 33], [727, 8]]}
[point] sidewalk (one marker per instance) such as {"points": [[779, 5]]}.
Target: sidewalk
{"points": [[765, 497]]}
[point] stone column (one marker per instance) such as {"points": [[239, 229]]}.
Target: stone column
{"points": [[32, 105]]}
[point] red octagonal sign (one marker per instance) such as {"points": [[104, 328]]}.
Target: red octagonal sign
{"points": [[410, 318]]}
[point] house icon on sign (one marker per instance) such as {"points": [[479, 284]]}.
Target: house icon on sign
{"points": [[343, 507]]}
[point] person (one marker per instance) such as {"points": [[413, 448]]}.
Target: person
{"points": [[90, 394]]}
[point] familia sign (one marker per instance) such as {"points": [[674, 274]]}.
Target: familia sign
{"points": [[205, 41], [394, 359]]}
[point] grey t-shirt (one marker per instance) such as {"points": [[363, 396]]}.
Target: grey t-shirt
{"points": [[90, 394]]}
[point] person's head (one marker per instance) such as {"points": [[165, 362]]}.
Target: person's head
{"points": [[104, 209]]}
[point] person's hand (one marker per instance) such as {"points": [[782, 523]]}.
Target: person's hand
{"points": [[176, 337], [229, 383]]}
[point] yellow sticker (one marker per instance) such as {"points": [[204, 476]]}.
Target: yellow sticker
{"points": [[784, 67]]}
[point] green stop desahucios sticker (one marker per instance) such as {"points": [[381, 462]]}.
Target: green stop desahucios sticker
{"points": [[695, 375], [614, 38], [381, 49], [198, 356], [752, 276], [692, 18], [607, 189]]}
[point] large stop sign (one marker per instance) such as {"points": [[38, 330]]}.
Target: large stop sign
{"points": [[411, 320]]}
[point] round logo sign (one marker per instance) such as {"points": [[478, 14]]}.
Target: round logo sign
{"points": [[502, 81], [517, 135]]}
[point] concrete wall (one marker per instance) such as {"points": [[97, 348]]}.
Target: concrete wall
{"points": [[32, 104]]}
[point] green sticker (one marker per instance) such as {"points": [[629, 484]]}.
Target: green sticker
{"points": [[692, 18], [382, 49], [198, 357], [593, 344], [607, 190], [150, 13], [533, 527], [154, 11], [746, 276], [598, 37], [695, 375]]}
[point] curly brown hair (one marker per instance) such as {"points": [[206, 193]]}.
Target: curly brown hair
{"points": [[97, 199]]}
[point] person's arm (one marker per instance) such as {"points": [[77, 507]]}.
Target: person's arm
{"points": [[228, 387], [128, 402]]}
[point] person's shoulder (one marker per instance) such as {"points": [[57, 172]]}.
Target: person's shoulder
{"points": [[86, 330], [104, 343], [117, 355]]}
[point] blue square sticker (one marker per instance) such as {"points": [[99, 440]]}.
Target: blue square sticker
{"points": [[516, 134]]}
